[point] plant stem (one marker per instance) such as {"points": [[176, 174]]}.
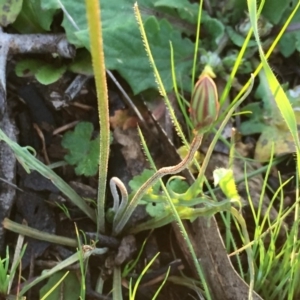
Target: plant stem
{"points": [[96, 42], [152, 180]]}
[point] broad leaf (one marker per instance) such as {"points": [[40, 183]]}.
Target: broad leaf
{"points": [[33, 18], [9, 10], [48, 74], [68, 289], [139, 180], [124, 50], [83, 151]]}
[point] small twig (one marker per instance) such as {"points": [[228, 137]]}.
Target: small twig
{"points": [[75, 87], [39, 43], [82, 106], [41, 136], [65, 127], [11, 184], [127, 99]]}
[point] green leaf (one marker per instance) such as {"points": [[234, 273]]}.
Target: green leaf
{"points": [[48, 74], [277, 134], [50, 4], [214, 29], [137, 181], [237, 38], [82, 63], [126, 54], [33, 18], [290, 122], [256, 123], [28, 67], [9, 10], [153, 208], [186, 10], [124, 50], [178, 185], [68, 289], [289, 43], [229, 60], [45, 73], [274, 9], [156, 209], [83, 151], [235, 10]]}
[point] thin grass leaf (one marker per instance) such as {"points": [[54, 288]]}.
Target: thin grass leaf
{"points": [[117, 283], [55, 286], [162, 284], [30, 162], [196, 44], [60, 266], [281, 99], [133, 295]]}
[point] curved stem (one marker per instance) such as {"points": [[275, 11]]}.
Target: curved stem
{"points": [[119, 206], [114, 182], [152, 180]]}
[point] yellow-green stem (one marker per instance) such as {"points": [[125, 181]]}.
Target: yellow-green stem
{"points": [[96, 43]]}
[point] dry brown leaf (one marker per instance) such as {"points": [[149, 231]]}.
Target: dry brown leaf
{"points": [[122, 119], [131, 149]]}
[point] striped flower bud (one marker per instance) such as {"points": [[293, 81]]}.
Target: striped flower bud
{"points": [[204, 107]]}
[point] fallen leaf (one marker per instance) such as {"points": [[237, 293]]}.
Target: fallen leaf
{"points": [[273, 136], [131, 149], [122, 119]]}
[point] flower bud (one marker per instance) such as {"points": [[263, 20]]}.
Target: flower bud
{"points": [[204, 107]]}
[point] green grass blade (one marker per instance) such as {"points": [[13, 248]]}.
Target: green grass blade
{"points": [[162, 284], [196, 52], [117, 284], [30, 162], [55, 286], [281, 99], [141, 276]]}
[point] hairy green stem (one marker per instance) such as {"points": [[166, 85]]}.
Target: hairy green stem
{"points": [[96, 43]]}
